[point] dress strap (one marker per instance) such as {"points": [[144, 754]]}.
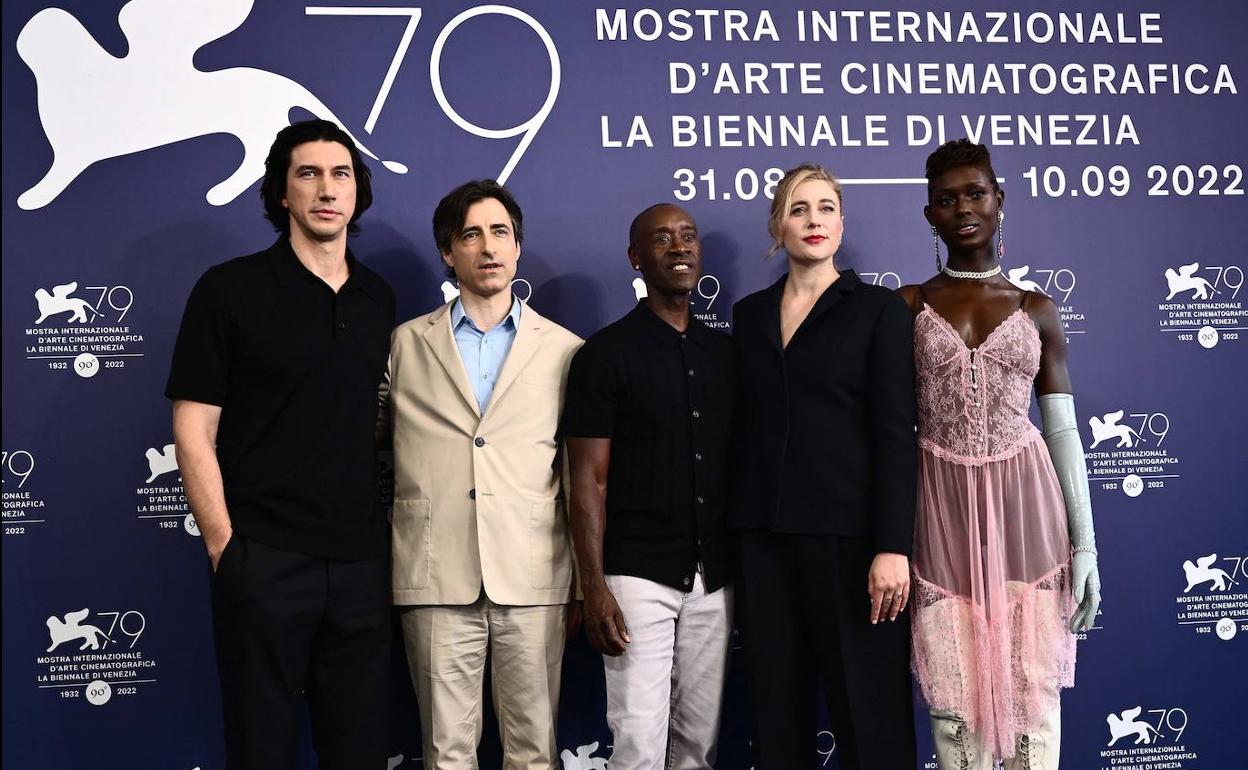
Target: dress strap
{"points": [[1026, 296], [918, 306]]}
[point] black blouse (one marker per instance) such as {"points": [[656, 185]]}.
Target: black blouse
{"points": [[825, 438]]}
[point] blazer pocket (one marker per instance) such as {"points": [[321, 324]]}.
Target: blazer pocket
{"points": [[550, 561], [412, 525]]}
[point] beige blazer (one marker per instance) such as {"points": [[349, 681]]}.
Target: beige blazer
{"points": [[479, 498]]}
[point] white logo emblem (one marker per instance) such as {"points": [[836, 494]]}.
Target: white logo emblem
{"points": [[154, 95], [583, 759], [59, 302], [449, 291], [72, 628], [1107, 428], [1120, 726], [1184, 280], [1015, 277], [639, 288], [1203, 571], [160, 462]]}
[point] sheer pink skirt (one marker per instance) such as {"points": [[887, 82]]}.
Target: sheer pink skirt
{"points": [[992, 597]]}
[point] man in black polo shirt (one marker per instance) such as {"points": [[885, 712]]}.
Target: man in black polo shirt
{"points": [[274, 388], [647, 423]]}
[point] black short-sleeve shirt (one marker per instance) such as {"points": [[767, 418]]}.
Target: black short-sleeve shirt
{"points": [[295, 368], [664, 398]]}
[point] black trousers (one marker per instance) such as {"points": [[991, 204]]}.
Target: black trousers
{"points": [[289, 626], [804, 616]]}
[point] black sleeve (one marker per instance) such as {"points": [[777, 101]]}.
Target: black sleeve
{"points": [[894, 444], [593, 397], [201, 353]]}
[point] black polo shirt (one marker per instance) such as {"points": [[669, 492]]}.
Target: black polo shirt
{"points": [[295, 368], [664, 398]]}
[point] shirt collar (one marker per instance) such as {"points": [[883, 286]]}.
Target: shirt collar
{"points": [[696, 331], [458, 316], [290, 270]]}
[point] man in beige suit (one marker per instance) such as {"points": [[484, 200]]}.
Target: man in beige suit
{"points": [[482, 554]]}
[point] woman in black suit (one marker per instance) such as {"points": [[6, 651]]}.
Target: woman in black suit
{"points": [[825, 495]]}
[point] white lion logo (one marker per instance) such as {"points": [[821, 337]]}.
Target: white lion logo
{"points": [[583, 759], [1203, 571], [62, 631], [1015, 277], [639, 288], [1126, 724], [1103, 430], [160, 462], [449, 291], [59, 301], [1184, 280], [95, 106]]}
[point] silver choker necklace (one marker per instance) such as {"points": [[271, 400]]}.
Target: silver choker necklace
{"points": [[968, 275]]}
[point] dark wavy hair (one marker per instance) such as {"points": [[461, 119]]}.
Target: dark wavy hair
{"points": [[273, 188], [959, 152], [448, 217]]}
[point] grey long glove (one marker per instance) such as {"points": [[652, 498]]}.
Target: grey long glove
{"points": [[1057, 418]]}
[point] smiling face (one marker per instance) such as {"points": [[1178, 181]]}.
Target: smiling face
{"points": [[665, 247], [320, 191], [484, 252], [963, 206], [812, 227]]}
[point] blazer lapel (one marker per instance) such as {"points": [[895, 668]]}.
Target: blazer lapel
{"points": [[441, 340], [523, 348], [830, 298]]}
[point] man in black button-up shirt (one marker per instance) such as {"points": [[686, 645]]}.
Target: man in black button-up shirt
{"points": [[274, 388], [647, 422]]}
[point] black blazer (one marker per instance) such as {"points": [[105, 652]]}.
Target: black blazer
{"points": [[825, 428]]}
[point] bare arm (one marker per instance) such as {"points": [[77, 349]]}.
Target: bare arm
{"points": [[604, 621], [195, 441], [1053, 376]]}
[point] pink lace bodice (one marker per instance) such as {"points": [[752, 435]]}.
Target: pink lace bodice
{"points": [[973, 402]]}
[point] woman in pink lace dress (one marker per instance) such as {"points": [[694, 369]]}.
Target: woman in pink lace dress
{"points": [[1001, 506]]}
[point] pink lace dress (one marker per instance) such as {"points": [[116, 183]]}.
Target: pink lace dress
{"points": [[992, 595]]}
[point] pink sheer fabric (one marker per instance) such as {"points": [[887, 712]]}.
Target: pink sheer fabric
{"points": [[992, 597]]}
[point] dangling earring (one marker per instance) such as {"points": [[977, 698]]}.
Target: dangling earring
{"points": [[1000, 230], [936, 246]]}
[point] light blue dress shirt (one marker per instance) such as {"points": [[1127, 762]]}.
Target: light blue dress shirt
{"points": [[483, 353]]}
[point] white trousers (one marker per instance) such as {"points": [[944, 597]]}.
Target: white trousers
{"points": [[959, 749], [446, 653], [664, 693]]}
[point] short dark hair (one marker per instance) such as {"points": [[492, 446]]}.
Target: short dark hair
{"points": [[448, 217], [634, 229], [959, 152], [273, 188]]}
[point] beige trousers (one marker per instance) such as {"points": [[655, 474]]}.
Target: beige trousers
{"points": [[959, 749], [446, 653]]}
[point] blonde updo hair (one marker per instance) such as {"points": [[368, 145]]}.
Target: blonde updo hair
{"points": [[783, 198]]}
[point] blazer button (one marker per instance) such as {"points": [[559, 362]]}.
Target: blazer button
{"points": [[479, 441], [701, 500], [696, 414], [472, 494]]}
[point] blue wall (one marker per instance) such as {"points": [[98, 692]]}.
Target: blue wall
{"points": [[147, 107]]}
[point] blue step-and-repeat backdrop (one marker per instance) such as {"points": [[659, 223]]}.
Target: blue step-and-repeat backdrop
{"points": [[134, 137]]}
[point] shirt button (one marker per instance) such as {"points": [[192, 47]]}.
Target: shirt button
{"points": [[479, 441], [342, 324], [683, 336], [696, 414], [690, 372], [472, 494], [701, 500], [697, 455]]}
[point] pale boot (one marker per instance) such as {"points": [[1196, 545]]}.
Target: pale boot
{"points": [[1040, 748], [956, 747]]}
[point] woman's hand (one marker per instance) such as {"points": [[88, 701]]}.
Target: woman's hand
{"points": [[888, 584]]}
